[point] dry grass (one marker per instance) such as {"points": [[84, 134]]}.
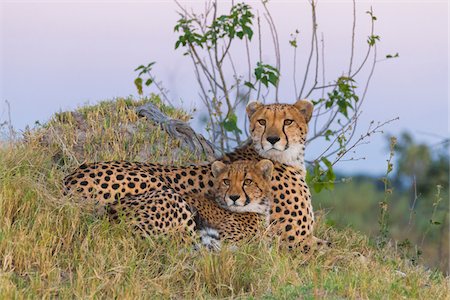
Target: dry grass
{"points": [[51, 246]]}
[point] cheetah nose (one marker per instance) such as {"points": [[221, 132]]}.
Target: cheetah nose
{"points": [[234, 198], [273, 139]]}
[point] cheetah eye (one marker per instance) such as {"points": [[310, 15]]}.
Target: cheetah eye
{"points": [[248, 181], [226, 181], [288, 122], [262, 122]]}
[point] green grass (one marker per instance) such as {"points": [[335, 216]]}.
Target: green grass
{"points": [[52, 246], [411, 229]]}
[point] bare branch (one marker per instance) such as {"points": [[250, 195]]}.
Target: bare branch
{"points": [[311, 53], [317, 58], [322, 40], [353, 39], [294, 71], [369, 132], [204, 68], [225, 52], [260, 52], [276, 43], [179, 130], [361, 140], [372, 29], [368, 78]]}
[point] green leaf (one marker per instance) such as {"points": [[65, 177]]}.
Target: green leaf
{"points": [[327, 162], [390, 167], [265, 81], [250, 85], [309, 178], [148, 82], [258, 72], [372, 39], [327, 134], [330, 186], [230, 124], [273, 79], [392, 56], [330, 175], [138, 84], [248, 31], [318, 186]]}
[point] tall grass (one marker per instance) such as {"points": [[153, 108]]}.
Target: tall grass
{"points": [[53, 246]]}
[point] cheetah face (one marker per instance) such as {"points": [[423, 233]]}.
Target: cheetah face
{"points": [[278, 131], [243, 186]]}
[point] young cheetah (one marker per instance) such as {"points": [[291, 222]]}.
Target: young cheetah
{"points": [[236, 208]]}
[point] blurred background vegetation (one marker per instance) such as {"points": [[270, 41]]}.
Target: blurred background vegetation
{"points": [[418, 202]]}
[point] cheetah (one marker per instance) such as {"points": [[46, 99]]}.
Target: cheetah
{"points": [[239, 187], [277, 132]]}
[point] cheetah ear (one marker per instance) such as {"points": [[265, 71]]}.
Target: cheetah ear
{"points": [[252, 106], [305, 107], [266, 168], [218, 168]]}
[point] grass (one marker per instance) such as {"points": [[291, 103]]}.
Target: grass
{"points": [[409, 228], [52, 246]]}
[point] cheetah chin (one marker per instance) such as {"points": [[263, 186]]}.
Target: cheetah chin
{"points": [[294, 155]]}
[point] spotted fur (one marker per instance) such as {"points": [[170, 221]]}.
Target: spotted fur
{"points": [[278, 132]]}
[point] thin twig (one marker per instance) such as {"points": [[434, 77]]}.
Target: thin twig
{"points": [[316, 74], [10, 126], [372, 29], [260, 52], [276, 43], [295, 72], [322, 40], [311, 53], [353, 39], [413, 205], [364, 136]]}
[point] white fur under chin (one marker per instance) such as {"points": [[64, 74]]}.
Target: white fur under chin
{"points": [[293, 156], [252, 207]]}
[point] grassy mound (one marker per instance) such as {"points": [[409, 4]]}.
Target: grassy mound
{"points": [[51, 246]]}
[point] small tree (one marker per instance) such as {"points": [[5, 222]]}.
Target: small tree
{"points": [[207, 39]]}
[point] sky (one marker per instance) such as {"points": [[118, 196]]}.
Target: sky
{"points": [[59, 55]]}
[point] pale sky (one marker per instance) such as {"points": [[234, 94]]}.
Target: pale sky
{"points": [[58, 55]]}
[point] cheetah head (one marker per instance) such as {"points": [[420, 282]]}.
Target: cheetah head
{"points": [[243, 186], [278, 131]]}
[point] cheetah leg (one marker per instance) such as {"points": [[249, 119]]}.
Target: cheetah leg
{"points": [[210, 238]]}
